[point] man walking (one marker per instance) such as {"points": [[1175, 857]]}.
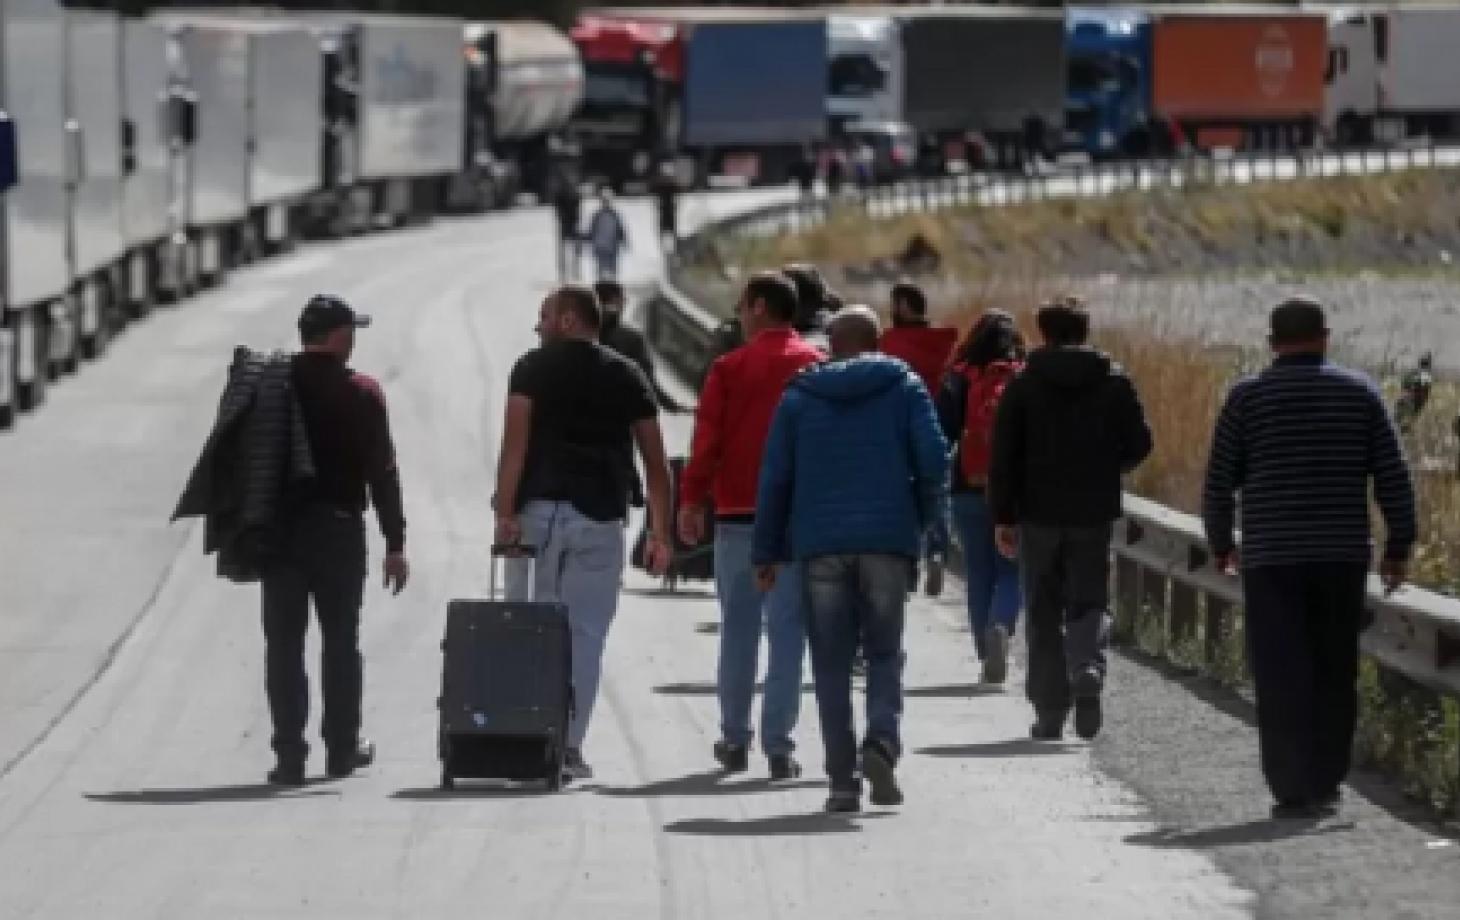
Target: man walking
{"points": [[322, 554], [731, 424], [1300, 442], [568, 205], [608, 237], [626, 340], [855, 472], [926, 349], [1068, 426], [574, 411]]}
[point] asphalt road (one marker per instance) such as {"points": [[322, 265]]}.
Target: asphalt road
{"points": [[134, 737]]}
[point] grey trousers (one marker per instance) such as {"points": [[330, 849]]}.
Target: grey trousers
{"points": [[1066, 573], [580, 564]]}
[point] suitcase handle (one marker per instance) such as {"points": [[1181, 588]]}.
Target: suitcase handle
{"points": [[508, 556]]}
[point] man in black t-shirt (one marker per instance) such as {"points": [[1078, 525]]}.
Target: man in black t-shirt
{"points": [[575, 409]]}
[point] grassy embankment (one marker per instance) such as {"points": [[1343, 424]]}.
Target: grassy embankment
{"points": [[1006, 257]]}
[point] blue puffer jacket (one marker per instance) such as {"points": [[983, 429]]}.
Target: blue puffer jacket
{"points": [[855, 463]]}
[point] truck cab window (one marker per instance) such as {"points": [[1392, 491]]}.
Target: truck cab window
{"points": [[856, 75]]}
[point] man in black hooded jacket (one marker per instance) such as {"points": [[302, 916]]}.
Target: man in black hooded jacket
{"points": [[1068, 427]]}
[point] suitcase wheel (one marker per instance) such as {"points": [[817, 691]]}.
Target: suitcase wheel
{"points": [[448, 782], [555, 781]]}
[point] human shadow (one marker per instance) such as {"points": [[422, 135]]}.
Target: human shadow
{"points": [[664, 594], [1265, 830], [954, 691], [708, 628], [774, 826], [1017, 747], [198, 795], [704, 688], [710, 782]]}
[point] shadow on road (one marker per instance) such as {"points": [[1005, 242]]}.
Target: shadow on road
{"points": [[678, 594], [1017, 747], [250, 792], [711, 782], [708, 628], [777, 826], [485, 789], [1230, 835], [954, 691], [707, 688]]}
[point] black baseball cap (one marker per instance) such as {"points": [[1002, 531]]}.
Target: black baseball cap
{"points": [[326, 313]]}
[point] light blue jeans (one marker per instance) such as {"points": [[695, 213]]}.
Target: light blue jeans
{"points": [[994, 595], [744, 614], [580, 564]]}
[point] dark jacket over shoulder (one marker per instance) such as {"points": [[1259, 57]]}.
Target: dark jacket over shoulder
{"points": [[1068, 427], [257, 449]]}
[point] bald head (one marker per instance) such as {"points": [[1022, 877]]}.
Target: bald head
{"points": [[854, 331]]}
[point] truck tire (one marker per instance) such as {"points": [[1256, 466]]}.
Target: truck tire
{"points": [[32, 357]]}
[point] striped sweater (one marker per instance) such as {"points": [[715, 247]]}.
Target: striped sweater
{"points": [[1300, 442]]}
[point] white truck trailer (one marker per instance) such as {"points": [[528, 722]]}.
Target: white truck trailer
{"points": [[1393, 74]]}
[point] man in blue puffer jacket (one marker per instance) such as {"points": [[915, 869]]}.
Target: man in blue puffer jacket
{"points": [[854, 473]]}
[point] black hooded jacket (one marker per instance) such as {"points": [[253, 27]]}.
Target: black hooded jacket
{"points": [[1068, 427]]}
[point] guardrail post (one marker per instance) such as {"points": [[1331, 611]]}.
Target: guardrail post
{"points": [[1127, 598], [1153, 584]]}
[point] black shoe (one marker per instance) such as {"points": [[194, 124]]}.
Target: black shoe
{"points": [[1048, 726], [934, 584], [996, 654], [287, 773], [735, 758], [879, 769], [1296, 810], [1328, 803], [784, 766], [843, 801], [343, 764], [1088, 714]]}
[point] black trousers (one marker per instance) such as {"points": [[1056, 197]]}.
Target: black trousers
{"points": [[323, 561], [1303, 625], [1066, 575]]}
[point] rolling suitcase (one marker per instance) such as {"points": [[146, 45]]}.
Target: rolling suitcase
{"points": [[506, 680]]}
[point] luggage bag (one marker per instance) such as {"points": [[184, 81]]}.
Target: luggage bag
{"points": [[506, 680], [691, 562]]}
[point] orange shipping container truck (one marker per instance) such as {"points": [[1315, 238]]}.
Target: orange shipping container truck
{"points": [[1248, 74]]}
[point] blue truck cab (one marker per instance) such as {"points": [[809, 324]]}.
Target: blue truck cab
{"points": [[1108, 88]]}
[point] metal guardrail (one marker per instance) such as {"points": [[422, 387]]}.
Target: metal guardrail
{"points": [[1165, 581]]}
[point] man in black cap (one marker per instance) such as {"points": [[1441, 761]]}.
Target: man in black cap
{"points": [[1301, 442], [322, 553]]}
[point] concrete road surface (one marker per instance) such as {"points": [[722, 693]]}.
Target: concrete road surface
{"points": [[134, 737]]}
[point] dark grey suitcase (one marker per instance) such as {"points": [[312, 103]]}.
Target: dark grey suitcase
{"points": [[506, 683]]}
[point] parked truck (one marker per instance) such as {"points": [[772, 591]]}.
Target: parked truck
{"points": [[728, 90], [1393, 73], [994, 74], [36, 274], [524, 81], [1195, 77]]}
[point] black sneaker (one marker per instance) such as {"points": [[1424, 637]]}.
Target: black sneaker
{"points": [[843, 801], [287, 773], [341, 765], [784, 766], [996, 654], [735, 758], [1088, 715], [1048, 726], [880, 772], [1296, 810], [1328, 803]]}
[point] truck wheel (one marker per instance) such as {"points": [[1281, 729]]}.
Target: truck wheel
{"points": [[32, 358]]}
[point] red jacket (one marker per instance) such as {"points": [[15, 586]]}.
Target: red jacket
{"points": [[925, 348], [733, 419]]}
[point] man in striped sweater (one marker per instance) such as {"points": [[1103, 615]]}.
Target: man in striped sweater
{"points": [[1300, 442]]}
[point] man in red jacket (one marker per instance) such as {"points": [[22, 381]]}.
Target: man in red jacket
{"points": [[732, 423], [927, 349]]}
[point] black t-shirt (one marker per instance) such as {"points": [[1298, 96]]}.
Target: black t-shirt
{"points": [[585, 401]]}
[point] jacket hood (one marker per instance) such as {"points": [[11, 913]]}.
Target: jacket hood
{"points": [[852, 380], [1068, 368]]}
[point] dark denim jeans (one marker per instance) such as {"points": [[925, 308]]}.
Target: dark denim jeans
{"points": [[852, 599]]}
